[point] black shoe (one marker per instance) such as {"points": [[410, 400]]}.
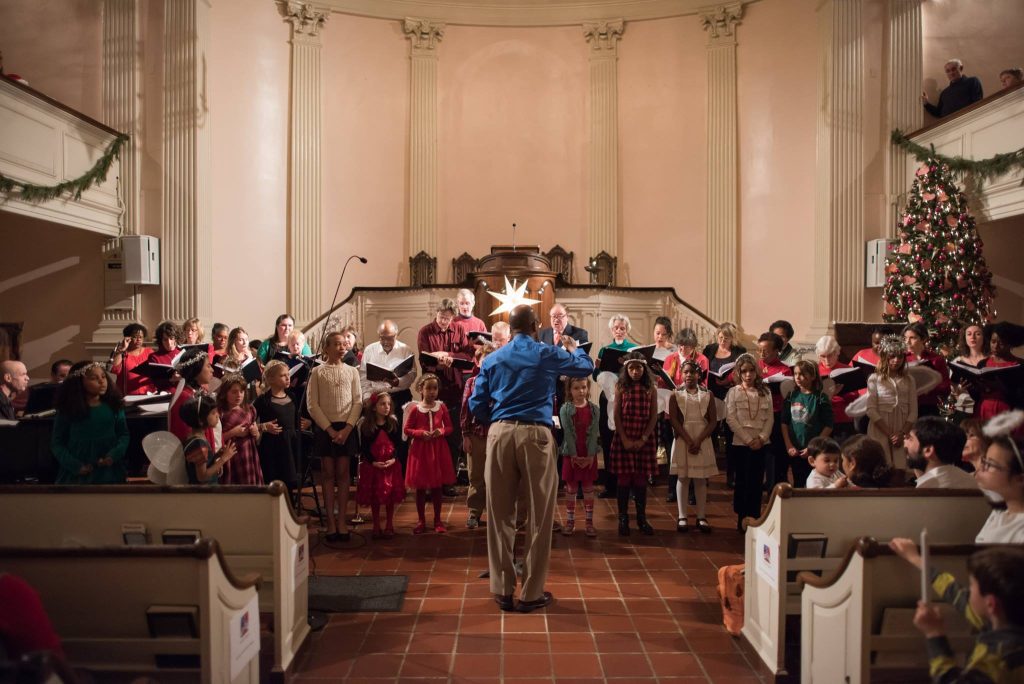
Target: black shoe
{"points": [[703, 525], [504, 602], [528, 606], [640, 496], [449, 490], [623, 525], [643, 525], [681, 526]]}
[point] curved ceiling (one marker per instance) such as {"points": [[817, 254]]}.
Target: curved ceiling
{"points": [[523, 12]]}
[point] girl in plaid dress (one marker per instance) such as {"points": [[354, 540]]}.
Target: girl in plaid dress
{"points": [[240, 427], [633, 451]]}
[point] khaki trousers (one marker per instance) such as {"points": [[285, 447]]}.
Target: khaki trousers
{"points": [[476, 495], [520, 461]]}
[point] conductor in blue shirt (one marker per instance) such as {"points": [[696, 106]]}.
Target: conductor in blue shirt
{"points": [[514, 393]]}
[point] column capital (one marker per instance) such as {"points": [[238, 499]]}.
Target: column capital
{"points": [[306, 18], [720, 22], [603, 36], [424, 34]]}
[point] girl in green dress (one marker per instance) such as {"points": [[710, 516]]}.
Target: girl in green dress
{"points": [[90, 435]]}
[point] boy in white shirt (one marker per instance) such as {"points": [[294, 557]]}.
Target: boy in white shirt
{"points": [[823, 454]]}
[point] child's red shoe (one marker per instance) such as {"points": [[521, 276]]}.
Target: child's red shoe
{"points": [[420, 528], [440, 528]]}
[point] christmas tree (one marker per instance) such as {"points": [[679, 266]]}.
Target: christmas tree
{"points": [[937, 274]]}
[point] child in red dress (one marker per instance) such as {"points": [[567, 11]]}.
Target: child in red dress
{"points": [[578, 417], [380, 473], [633, 456], [429, 466], [239, 426]]}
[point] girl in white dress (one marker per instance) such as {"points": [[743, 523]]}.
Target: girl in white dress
{"points": [[693, 417], [892, 400]]}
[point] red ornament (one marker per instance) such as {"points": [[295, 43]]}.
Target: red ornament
{"points": [[926, 264]]}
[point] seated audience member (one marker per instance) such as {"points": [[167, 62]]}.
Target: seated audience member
{"points": [[1001, 477], [90, 434], [219, 338], [465, 300], [827, 350], [993, 604], [787, 354], [128, 355], [823, 455], [387, 352], [24, 625], [865, 464], [283, 327], [1009, 78], [934, 447], [500, 334], [915, 336], [976, 445], [13, 379], [961, 92], [59, 370], [560, 327], [997, 395]]}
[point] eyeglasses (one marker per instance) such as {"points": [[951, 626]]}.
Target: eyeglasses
{"points": [[989, 464], [558, 317]]}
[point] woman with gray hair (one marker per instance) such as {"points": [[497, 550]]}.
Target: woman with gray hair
{"points": [[827, 350], [619, 326]]}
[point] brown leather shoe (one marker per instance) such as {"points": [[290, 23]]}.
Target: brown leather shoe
{"points": [[529, 606]]}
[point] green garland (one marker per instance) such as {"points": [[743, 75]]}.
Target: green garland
{"points": [[982, 169], [43, 193]]}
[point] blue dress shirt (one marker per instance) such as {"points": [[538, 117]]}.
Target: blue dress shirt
{"points": [[517, 382]]}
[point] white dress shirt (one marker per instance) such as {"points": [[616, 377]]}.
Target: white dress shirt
{"points": [[375, 354], [946, 477]]}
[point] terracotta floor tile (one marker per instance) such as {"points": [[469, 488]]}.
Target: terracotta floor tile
{"points": [[625, 665], [438, 623], [481, 624], [432, 642], [478, 643], [654, 623], [572, 642], [479, 606], [383, 642], [476, 666], [612, 606], [426, 665], [618, 642], [637, 590], [567, 623], [531, 622], [538, 665], [664, 643], [525, 642], [675, 664], [610, 623], [577, 665], [438, 606], [377, 665], [647, 606], [567, 606], [434, 591], [722, 666]]}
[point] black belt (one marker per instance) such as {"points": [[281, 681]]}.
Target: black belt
{"points": [[534, 423]]}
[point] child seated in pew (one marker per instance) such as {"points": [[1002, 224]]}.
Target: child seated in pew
{"points": [[993, 604], [823, 454], [203, 467], [1001, 477], [865, 464]]}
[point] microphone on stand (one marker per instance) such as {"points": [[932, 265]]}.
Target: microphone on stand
{"points": [[323, 328]]}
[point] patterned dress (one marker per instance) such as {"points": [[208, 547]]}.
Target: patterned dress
{"points": [[244, 468], [636, 414], [429, 464], [380, 485]]}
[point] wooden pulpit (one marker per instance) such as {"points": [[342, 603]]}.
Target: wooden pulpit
{"points": [[519, 264]]}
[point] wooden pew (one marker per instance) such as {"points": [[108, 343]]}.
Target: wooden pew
{"points": [[255, 526], [844, 635], [98, 599], [770, 588]]}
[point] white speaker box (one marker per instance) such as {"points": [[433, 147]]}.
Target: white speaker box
{"points": [[141, 259]]}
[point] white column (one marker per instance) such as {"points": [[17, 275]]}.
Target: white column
{"points": [[839, 191], [187, 273], [305, 173], [904, 102], [603, 37], [722, 227], [424, 36], [122, 95]]}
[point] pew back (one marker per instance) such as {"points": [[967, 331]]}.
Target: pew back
{"points": [[842, 630], [255, 526], [843, 516], [98, 598]]}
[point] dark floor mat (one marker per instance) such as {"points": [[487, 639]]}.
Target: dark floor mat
{"points": [[357, 594]]}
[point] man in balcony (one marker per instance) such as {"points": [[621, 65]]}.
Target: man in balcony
{"points": [[961, 92]]}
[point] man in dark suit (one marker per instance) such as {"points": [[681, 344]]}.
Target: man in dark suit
{"points": [[560, 327]]}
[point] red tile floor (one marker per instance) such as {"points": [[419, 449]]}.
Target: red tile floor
{"points": [[627, 609]]}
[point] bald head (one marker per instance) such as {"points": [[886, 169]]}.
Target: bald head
{"points": [[523, 320], [13, 377], [387, 331]]}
